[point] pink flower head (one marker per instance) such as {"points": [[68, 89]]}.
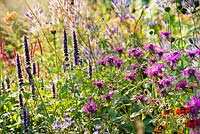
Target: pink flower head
{"points": [[190, 72], [107, 97], [134, 66], [90, 106], [141, 98], [102, 62], [99, 84], [150, 47], [135, 52], [154, 70], [165, 34], [160, 52], [118, 63], [130, 76], [181, 84], [120, 49], [193, 53], [173, 57], [110, 59]]}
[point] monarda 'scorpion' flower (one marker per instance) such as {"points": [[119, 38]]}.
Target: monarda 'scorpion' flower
{"points": [[165, 34], [90, 106], [173, 57], [165, 82], [102, 62], [150, 47], [160, 52], [194, 105], [192, 54], [136, 52], [119, 49], [76, 52], [154, 70], [141, 98], [110, 59], [118, 63], [99, 84], [107, 97], [181, 85], [190, 72], [130, 76]]}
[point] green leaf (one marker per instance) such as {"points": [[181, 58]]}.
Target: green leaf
{"points": [[145, 2]]}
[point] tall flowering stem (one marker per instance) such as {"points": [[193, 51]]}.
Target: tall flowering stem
{"points": [[19, 71], [65, 46], [76, 52], [26, 50], [90, 70]]}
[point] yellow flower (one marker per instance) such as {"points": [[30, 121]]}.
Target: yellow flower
{"points": [[9, 16]]}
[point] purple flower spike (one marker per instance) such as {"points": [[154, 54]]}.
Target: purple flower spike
{"points": [[90, 106]]}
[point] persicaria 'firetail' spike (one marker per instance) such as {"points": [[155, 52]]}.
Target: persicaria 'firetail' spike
{"points": [[54, 90], [65, 46], [27, 56], [34, 68], [76, 53]]}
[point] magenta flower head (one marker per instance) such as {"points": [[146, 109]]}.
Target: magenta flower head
{"points": [[165, 34], [192, 54], [119, 49], [150, 47], [99, 84], [141, 98], [160, 52], [110, 59], [107, 97], [134, 66], [130, 76], [118, 63], [181, 84], [90, 106], [135, 52], [154, 70], [190, 72], [102, 62], [166, 81], [173, 57]]}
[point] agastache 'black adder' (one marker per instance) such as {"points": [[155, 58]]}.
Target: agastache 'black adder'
{"points": [[26, 50], [53, 90], [28, 67], [90, 70], [76, 52], [65, 46], [26, 120], [19, 72], [23, 114], [8, 82], [34, 68]]}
